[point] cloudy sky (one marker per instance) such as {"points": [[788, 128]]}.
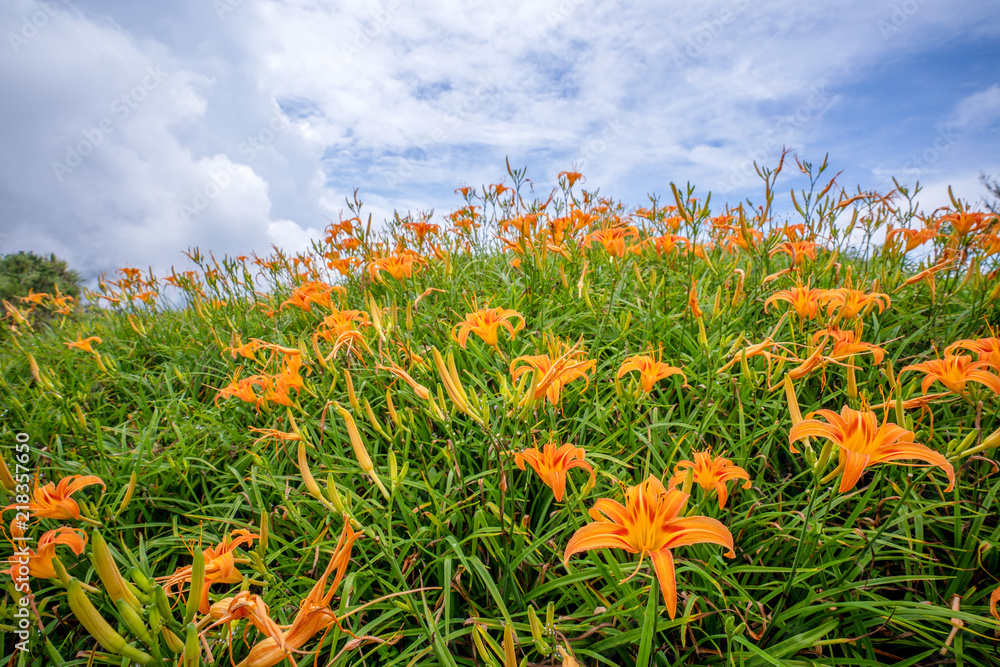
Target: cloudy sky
{"points": [[132, 131]]}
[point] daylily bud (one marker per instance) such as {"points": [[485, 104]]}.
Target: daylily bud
{"points": [[537, 635], [130, 617], [688, 481], [392, 409], [6, 479], [334, 495], [192, 651], [393, 471], [161, 601], [373, 421], [107, 571], [351, 396], [197, 585], [80, 419], [98, 628], [409, 317], [129, 490], [307, 477], [264, 525], [509, 657], [140, 579], [360, 451], [174, 642]]}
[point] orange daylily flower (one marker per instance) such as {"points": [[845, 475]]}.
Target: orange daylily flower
{"points": [[851, 302], [220, 567], [551, 374], [246, 605], [988, 349], [398, 266], [53, 501], [422, 229], [994, 598], [612, 239], [963, 222], [486, 323], [552, 464], [927, 275], [914, 237], [85, 344], [954, 371], [40, 562], [797, 250], [34, 298], [693, 300], [846, 345], [423, 392], [242, 389], [805, 300], [308, 293], [862, 442], [571, 177], [650, 370], [710, 474], [314, 613], [650, 523]]}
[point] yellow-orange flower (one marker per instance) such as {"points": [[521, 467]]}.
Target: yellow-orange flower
{"points": [[54, 501], [914, 237], [994, 598], [220, 567], [612, 239], [308, 293], [314, 613], [797, 250], [486, 323], [552, 374], [846, 345], [851, 302], [650, 523], [805, 300], [40, 562], [988, 349], [693, 300], [954, 371], [650, 370], [246, 605], [963, 222], [398, 266], [862, 442], [85, 344], [710, 474], [552, 464]]}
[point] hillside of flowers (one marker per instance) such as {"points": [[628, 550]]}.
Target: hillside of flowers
{"points": [[542, 429]]}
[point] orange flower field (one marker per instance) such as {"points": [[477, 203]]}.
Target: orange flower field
{"points": [[785, 430]]}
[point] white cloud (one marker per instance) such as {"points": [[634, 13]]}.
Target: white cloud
{"points": [[296, 102]]}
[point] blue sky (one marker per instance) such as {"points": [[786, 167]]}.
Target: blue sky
{"points": [[133, 131]]}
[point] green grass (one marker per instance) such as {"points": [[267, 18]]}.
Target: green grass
{"points": [[466, 544]]}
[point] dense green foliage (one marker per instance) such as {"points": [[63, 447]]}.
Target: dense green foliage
{"points": [[463, 544]]}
